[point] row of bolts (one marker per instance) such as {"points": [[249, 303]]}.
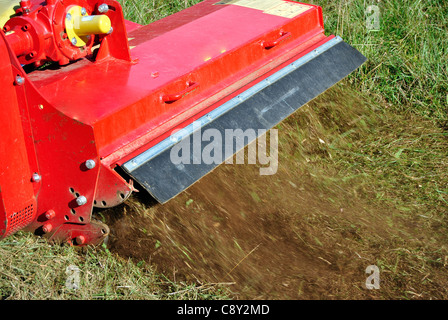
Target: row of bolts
{"points": [[81, 200]]}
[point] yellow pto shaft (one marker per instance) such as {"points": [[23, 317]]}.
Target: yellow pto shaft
{"points": [[88, 25], [79, 25]]}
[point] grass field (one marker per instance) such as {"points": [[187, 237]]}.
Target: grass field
{"points": [[373, 149]]}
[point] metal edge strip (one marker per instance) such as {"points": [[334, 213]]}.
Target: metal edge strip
{"points": [[151, 153]]}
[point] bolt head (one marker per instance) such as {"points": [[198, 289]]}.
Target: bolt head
{"points": [[36, 177], [81, 200], [103, 8], [20, 80], [90, 164], [47, 227], [80, 240], [68, 17], [74, 41], [50, 214], [83, 11]]}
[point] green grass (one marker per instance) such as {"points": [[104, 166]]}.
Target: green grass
{"points": [[31, 269], [392, 169], [144, 12], [404, 150], [407, 58]]}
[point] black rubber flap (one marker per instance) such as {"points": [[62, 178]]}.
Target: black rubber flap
{"points": [[164, 179]]}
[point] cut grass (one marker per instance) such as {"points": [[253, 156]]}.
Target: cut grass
{"points": [[341, 200], [31, 269], [397, 164]]}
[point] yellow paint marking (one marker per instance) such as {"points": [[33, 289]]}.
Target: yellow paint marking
{"points": [[273, 7]]}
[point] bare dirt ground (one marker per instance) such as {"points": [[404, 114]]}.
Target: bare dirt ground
{"points": [[254, 232], [306, 232]]}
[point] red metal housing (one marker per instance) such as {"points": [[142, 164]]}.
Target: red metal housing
{"points": [[74, 125]]}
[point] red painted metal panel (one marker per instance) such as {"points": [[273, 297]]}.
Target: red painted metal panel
{"points": [[32, 128], [150, 139], [213, 47], [63, 145], [17, 201], [112, 190], [131, 26]]}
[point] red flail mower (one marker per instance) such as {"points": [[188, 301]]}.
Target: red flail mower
{"points": [[89, 100]]}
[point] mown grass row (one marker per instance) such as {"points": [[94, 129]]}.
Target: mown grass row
{"points": [[32, 269]]}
